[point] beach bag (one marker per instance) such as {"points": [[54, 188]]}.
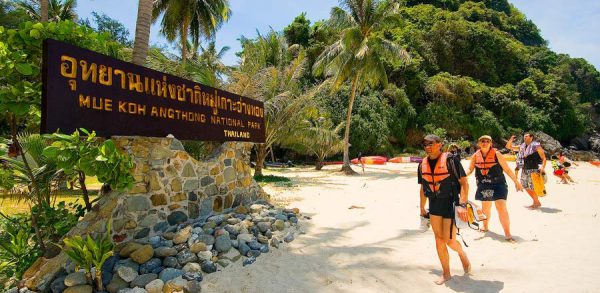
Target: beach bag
{"points": [[474, 216]]}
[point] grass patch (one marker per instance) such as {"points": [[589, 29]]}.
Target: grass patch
{"points": [[10, 205], [271, 179]]}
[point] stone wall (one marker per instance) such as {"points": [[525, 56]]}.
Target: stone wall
{"points": [[170, 188]]}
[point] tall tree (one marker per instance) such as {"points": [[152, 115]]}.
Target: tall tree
{"points": [[49, 10], [270, 71], [211, 59], [359, 53], [142, 32], [44, 10], [104, 23], [190, 18]]}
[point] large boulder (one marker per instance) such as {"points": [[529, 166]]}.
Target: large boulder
{"points": [[549, 144], [581, 143], [594, 142], [582, 156]]}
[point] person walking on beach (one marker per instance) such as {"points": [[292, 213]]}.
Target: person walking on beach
{"points": [[443, 179], [534, 160], [489, 166], [360, 161]]}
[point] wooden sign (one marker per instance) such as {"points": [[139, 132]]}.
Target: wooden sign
{"points": [[82, 88]]}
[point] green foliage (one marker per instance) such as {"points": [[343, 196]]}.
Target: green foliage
{"points": [[56, 221], [75, 154], [89, 253], [104, 23], [316, 136], [298, 32], [17, 249], [58, 10], [21, 61], [271, 179]]}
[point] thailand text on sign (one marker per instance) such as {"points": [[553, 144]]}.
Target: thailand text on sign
{"points": [[85, 89]]}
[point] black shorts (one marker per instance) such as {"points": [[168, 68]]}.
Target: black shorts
{"points": [[443, 207], [491, 192]]}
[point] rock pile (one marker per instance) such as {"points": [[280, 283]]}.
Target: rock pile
{"points": [[177, 260]]}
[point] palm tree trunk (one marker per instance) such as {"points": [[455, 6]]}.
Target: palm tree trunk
{"points": [[184, 34], [346, 167], [261, 153], [142, 32], [86, 196], [44, 10]]}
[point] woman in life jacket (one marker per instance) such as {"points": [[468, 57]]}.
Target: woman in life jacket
{"points": [[442, 179], [534, 161], [489, 166]]}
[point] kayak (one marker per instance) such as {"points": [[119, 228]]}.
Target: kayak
{"points": [[371, 160], [405, 160], [595, 163]]}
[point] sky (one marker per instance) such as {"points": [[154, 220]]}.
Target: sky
{"points": [[569, 26]]}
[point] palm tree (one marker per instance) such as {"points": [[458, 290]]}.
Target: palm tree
{"points": [[44, 10], [49, 10], [210, 59], [317, 137], [359, 53], [142, 32], [190, 18], [266, 74]]}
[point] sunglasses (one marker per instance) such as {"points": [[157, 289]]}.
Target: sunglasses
{"points": [[485, 141], [428, 144]]}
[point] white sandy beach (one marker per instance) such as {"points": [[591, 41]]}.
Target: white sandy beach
{"points": [[381, 248]]}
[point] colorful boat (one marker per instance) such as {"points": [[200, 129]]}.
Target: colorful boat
{"points": [[595, 163], [405, 160], [371, 160]]}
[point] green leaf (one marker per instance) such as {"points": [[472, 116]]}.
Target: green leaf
{"points": [[24, 68], [35, 34]]}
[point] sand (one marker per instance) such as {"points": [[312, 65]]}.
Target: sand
{"points": [[382, 248]]}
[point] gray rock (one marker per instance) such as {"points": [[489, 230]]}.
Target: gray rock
{"points": [[150, 266], [16, 290], [262, 239], [75, 279], [245, 237], [289, 237], [116, 284], [275, 242], [209, 267], [186, 256], [133, 290], [256, 208], [155, 286], [138, 204], [206, 239], [142, 280], [177, 217], [57, 286], [224, 262], [223, 243], [127, 263], [205, 256], [263, 226], [170, 274], [170, 262], [243, 248], [79, 289], [293, 220], [197, 276], [249, 261], [127, 274], [254, 253], [232, 255], [192, 267], [254, 245], [165, 251]]}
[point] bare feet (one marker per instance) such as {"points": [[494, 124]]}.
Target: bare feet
{"points": [[443, 279], [510, 240], [483, 230], [534, 206]]}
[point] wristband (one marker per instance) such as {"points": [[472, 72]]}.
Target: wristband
{"points": [[463, 205]]}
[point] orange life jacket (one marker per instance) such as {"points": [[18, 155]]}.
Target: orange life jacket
{"points": [[485, 164], [440, 172]]}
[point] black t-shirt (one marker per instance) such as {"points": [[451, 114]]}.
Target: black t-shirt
{"points": [[459, 169]]}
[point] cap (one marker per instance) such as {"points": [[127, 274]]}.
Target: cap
{"points": [[484, 137], [432, 137]]}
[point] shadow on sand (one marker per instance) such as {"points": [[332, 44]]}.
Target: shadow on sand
{"points": [[467, 284]]}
